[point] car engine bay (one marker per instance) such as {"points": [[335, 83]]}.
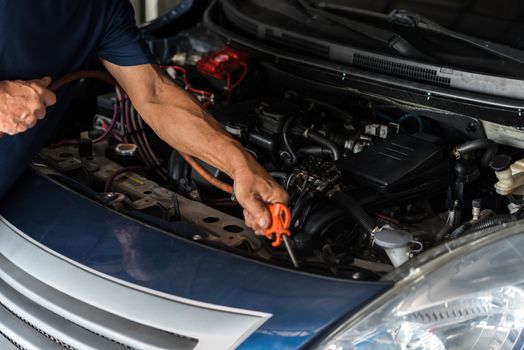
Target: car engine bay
{"points": [[371, 184]]}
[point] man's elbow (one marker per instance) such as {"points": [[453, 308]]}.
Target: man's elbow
{"points": [[154, 92]]}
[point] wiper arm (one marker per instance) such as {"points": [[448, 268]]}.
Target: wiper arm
{"points": [[411, 19], [415, 20], [391, 39]]}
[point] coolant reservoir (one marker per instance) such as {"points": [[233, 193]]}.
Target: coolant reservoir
{"points": [[396, 244], [510, 176]]}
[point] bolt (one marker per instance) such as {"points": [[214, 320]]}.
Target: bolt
{"points": [[471, 127]]}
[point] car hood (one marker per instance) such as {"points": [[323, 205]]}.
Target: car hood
{"points": [[301, 306]]}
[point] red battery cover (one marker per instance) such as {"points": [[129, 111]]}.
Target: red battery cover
{"points": [[222, 62]]}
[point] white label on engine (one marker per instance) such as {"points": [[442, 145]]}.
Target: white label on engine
{"points": [[506, 135]]}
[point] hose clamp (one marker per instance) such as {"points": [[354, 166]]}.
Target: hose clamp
{"points": [[456, 153]]}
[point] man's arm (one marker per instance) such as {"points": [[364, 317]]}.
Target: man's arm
{"points": [[178, 119]]}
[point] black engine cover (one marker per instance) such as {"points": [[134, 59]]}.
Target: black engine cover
{"points": [[397, 164]]}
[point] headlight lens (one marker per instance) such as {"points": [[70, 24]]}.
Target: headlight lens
{"points": [[473, 298]]}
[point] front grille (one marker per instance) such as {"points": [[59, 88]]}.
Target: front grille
{"points": [[44, 333], [35, 315], [382, 65]]}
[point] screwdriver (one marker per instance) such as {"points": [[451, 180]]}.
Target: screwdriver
{"points": [[279, 232]]}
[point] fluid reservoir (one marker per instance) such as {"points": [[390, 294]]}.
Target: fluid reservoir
{"points": [[510, 176]]}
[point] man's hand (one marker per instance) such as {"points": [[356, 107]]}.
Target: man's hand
{"points": [[23, 103], [253, 189]]}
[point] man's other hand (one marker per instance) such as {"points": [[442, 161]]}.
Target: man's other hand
{"points": [[254, 188], [23, 103]]}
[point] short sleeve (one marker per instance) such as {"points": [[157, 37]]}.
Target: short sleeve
{"points": [[121, 43]]}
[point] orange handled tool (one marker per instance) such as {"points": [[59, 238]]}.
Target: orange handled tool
{"points": [[279, 232], [280, 221]]}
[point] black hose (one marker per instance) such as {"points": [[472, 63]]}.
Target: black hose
{"points": [[459, 231], [491, 221], [285, 137], [315, 151], [482, 225], [355, 211], [514, 200], [489, 146], [316, 137]]}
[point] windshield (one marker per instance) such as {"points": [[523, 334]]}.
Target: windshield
{"points": [[369, 25]]}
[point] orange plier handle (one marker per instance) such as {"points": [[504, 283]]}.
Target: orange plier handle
{"points": [[280, 222]]}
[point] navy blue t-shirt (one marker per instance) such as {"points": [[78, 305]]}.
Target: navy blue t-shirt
{"points": [[54, 37]]}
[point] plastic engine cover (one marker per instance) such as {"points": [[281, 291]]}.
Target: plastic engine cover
{"points": [[396, 164]]}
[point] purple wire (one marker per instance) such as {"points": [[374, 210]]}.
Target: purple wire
{"points": [[132, 134], [124, 120], [117, 137], [130, 119], [137, 134], [138, 121], [111, 126], [109, 182]]}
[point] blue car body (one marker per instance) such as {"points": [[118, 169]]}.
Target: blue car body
{"points": [[302, 306]]}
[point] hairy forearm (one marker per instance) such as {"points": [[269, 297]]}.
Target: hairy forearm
{"points": [[180, 121]]}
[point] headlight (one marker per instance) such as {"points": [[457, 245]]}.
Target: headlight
{"points": [[470, 298]]}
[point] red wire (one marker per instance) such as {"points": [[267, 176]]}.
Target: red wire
{"points": [[229, 86], [387, 218], [188, 86], [242, 76], [201, 92]]}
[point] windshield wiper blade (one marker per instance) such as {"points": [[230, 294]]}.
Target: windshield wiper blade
{"points": [[391, 39], [412, 19], [415, 20]]}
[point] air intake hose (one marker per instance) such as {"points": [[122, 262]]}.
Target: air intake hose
{"points": [[355, 211], [489, 146]]}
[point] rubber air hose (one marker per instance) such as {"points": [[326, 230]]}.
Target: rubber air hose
{"points": [[97, 75], [355, 211], [316, 137], [489, 146], [315, 151]]}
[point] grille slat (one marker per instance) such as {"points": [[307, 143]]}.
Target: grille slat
{"points": [[24, 320], [39, 330], [23, 336], [48, 325], [7, 343], [381, 65]]}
